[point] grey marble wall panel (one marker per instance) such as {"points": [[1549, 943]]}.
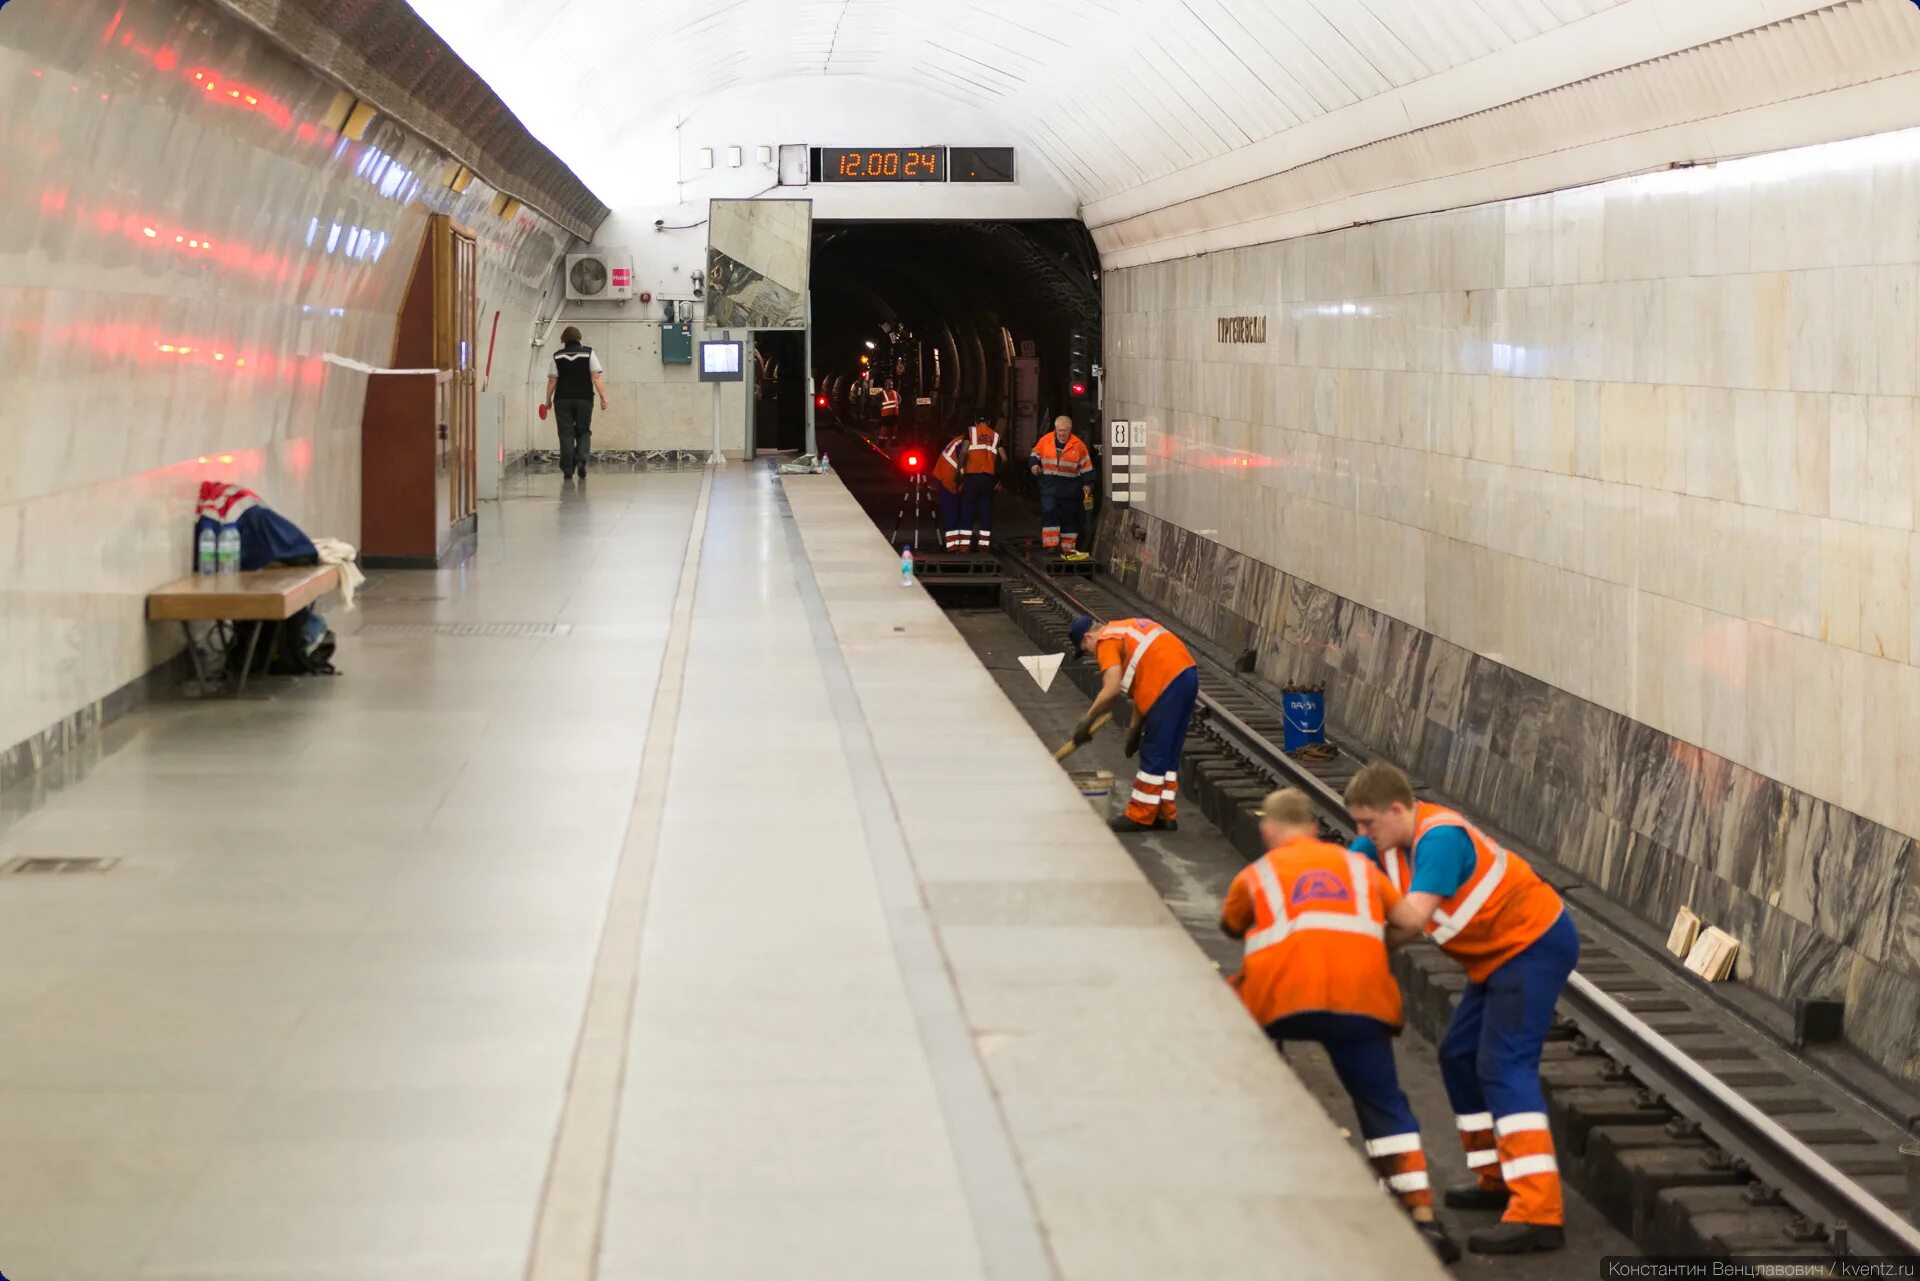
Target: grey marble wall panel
{"points": [[1824, 901]]}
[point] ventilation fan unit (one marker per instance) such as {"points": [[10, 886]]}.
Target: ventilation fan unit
{"points": [[599, 277]]}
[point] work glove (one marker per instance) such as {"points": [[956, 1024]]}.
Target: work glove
{"points": [[1134, 736], [1083, 732]]}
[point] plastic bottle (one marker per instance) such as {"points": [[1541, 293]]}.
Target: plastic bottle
{"points": [[906, 566], [206, 552], [824, 464], [229, 549]]}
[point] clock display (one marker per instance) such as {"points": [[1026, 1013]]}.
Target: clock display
{"points": [[881, 164]]}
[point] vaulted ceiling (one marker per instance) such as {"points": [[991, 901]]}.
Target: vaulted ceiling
{"points": [[1137, 104]]}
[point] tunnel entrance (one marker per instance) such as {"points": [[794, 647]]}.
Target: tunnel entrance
{"points": [[779, 390], [1000, 319]]}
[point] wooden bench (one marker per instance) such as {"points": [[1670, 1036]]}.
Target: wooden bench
{"points": [[271, 595]]}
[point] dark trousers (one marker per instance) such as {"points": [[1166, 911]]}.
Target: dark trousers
{"points": [[976, 508], [1362, 1052], [575, 419], [1060, 507], [1490, 1062]]}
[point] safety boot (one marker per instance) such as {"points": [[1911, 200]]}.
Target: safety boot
{"points": [[1127, 827], [1471, 1196], [1438, 1239], [1516, 1238]]}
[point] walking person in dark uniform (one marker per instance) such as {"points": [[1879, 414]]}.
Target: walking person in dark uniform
{"points": [[576, 379]]}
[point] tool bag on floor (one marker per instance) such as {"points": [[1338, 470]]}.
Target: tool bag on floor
{"points": [[301, 646]]}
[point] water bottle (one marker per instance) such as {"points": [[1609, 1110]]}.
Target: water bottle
{"points": [[206, 555], [229, 549], [906, 566], [824, 464]]}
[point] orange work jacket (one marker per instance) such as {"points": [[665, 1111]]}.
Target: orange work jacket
{"points": [[946, 468], [1148, 655], [1502, 907], [1315, 919], [983, 451]]}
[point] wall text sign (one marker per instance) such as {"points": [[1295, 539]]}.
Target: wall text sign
{"points": [[1241, 329]]}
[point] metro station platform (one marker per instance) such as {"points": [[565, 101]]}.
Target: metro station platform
{"points": [[665, 894]]}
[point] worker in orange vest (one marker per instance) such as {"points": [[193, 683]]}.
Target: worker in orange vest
{"points": [[1064, 471], [980, 476], [1142, 661], [946, 491], [1491, 912], [889, 412], [1314, 919]]}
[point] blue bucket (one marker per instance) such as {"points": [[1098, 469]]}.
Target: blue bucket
{"points": [[1304, 713]]}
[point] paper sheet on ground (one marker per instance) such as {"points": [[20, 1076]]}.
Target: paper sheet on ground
{"points": [[1043, 668]]}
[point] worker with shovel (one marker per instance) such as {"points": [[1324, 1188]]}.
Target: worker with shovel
{"points": [[1142, 661]]}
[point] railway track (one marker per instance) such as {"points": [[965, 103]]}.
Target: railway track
{"points": [[1693, 1132]]}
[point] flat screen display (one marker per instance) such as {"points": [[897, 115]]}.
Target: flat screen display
{"points": [[720, 362], [882, 164]]}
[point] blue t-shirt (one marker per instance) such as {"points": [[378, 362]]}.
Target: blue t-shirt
{"points": [[1443, 860]]}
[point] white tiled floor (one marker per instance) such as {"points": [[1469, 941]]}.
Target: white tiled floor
{"points": [[901, 1009]]}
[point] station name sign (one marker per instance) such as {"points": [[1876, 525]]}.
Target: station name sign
{"points": [[1241, 329]]}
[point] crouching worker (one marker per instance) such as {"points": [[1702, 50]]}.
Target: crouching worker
{"points": [[1488, 910], [1314, 920]]}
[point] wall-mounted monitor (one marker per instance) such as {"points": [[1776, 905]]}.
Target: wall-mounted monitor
{"points": [[720, 362]]}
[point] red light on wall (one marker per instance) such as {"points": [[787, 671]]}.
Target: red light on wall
{"points": [[1079, 389]]}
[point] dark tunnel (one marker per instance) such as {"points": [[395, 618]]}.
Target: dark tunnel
{"points": [[952, 311]]}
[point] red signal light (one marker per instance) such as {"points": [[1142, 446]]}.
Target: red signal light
{"points": [[820, 401], [1079, 389], [913, 462]]}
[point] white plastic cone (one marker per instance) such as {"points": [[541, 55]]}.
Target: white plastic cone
{"points": [[1043, 668]]}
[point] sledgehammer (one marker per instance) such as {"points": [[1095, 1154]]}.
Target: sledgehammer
{"points": [[1069, 747]]}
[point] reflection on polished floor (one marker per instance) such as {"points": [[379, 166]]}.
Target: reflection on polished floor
{"points": [[722, 922]]}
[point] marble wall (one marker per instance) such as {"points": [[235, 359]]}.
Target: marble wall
{"points": [[1601, 506], [184, 239]]}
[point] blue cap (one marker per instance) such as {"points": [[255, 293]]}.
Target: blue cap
{"points": [[1077, 631]]}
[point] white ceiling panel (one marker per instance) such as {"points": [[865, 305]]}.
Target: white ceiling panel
{"points": [[1137, 104]]}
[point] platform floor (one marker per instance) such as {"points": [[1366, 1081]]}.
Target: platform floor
{"points": [[720, 920]]}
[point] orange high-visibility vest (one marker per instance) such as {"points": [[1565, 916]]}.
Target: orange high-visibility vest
{"points": [[1148, 655], [1502, 908], [983, 451], [1056, 459], [1318, 941], [889, 403], [946, 468]]}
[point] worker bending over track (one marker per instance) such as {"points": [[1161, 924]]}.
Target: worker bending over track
{"points": [[946, 492], [1491, 912], [1143, 661], [1064, 471], [1314, 918]]}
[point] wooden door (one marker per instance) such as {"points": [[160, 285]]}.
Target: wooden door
{"points": [[456, 324]]}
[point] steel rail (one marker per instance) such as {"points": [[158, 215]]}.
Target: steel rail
{"points": [[1853, 1216]]}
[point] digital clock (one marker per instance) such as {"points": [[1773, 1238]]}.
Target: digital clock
{"points": [[880, 164]]}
